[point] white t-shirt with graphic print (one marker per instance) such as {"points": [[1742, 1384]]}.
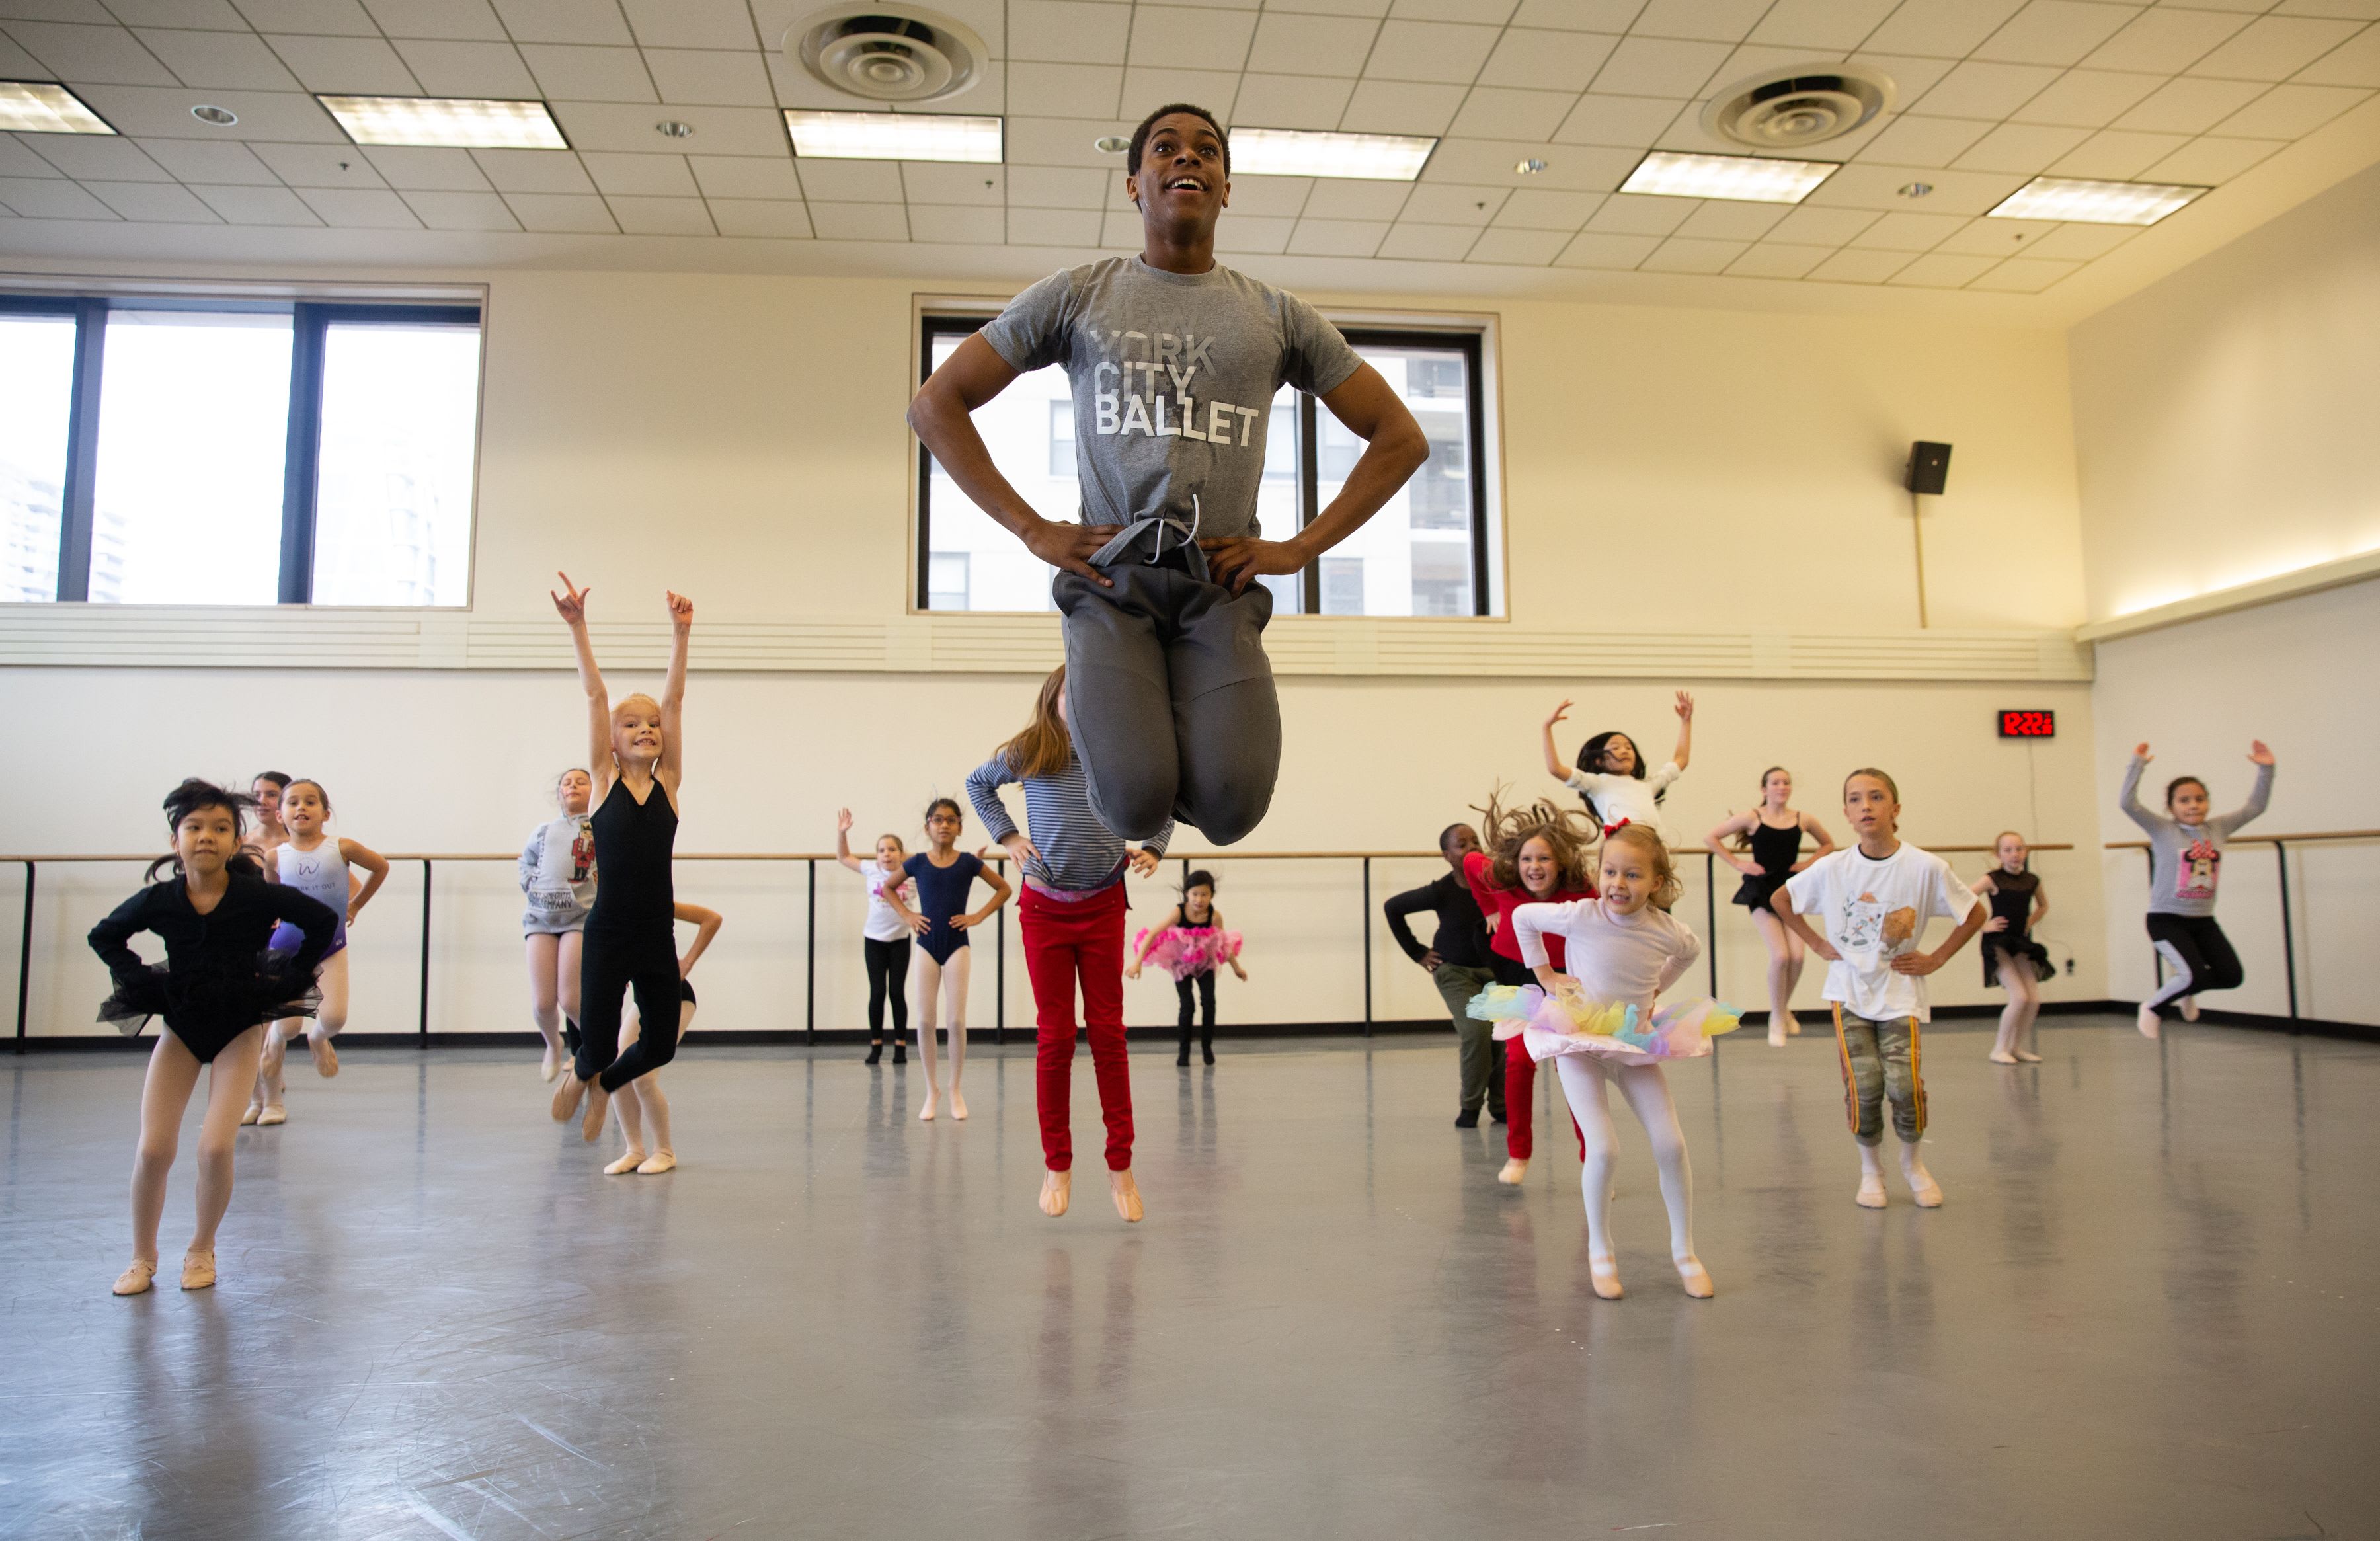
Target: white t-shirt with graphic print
{"points": [[1872, 911]]}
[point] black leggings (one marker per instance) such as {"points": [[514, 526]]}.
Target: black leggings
{"points": [[1206, 983], [2197, 953], [887, 974], [609, 967]]}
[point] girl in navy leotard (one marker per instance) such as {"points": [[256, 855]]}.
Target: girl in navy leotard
{"points": [[941, 877]]}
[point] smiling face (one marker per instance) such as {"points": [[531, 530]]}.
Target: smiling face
{"points": [[1181, 182], [574, 791], [205, 840], [1539, 871], [1627, 876], [1777, 790], [1618, 757], [636, 732], [303, 810], [1874, 811]]}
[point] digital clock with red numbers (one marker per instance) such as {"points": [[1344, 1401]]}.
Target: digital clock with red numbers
{"points": [[2028, 724]]}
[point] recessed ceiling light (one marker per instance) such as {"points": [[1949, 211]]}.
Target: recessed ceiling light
{"points": [[1111, 144], [671, 129], [1529, 167], [462, 122], [1915, 189], [893, 136], [1302, 153], [1744, 178], [2094, 202], [221, 118], [39, 107]]}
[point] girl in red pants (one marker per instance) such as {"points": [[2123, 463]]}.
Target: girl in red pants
{"points": [[1072, 920], [1534, 855]]}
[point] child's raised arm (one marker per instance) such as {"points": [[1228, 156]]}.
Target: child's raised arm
{"points": [[572, 605], [1554, 766], [672, 761], [1685, 749], [2258, 796], [843, 841], [2128, 797]]}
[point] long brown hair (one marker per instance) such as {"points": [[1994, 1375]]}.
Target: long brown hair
{"points": [[1044, 748], [1503, 832]]}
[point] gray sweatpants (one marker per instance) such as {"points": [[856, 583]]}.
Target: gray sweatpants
{"points": [[1170, 698], [1481, 1061]]}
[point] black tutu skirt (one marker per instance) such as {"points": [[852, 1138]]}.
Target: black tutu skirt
{"points": [[1753, 893], [2025, 950], [207, 1008]]}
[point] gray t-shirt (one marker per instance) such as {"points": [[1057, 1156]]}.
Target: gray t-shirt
{"points": [[2186, 860], [1173, 378]]}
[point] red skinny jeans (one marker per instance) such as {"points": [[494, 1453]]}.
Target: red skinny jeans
{"points": [[1064, 942]]}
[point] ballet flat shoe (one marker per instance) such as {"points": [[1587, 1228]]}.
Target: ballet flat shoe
{"points": [[139, 1278]]}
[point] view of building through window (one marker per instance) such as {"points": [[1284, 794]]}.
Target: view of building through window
{"points": [[36, 391], [393, 504]]}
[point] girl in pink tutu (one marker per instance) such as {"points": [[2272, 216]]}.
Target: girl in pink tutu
{"points": [[1598, 1023], [1188, 946]]}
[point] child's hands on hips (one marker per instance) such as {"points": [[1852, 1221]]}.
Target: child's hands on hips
{"points": [[1916, 963], [1019, 847], [1142, 861]]}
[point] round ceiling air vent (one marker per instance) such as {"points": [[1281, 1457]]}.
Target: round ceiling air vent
{"points": [[888, 53], [1791, 109]]}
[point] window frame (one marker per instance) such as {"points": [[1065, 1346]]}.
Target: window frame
{"points": [[962, 319], [310, 320]]}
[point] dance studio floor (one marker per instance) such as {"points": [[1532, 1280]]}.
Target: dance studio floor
{"points": [[2148, 1308]]}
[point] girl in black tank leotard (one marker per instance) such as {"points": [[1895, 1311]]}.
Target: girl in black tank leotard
{"points": [[1767, 850], [634, 754], [2011, 958]]}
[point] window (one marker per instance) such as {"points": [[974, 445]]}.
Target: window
{"points": [[1424, 553], [193, 452], [946, 581]]}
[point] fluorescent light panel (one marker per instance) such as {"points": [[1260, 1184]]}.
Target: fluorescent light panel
{"points": [[1741, 178], [2083, 202], [459, 122], [895, 136], [38, 107], [1306, 152]]}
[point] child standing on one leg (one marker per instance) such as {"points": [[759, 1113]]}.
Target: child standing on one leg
{"points": [[1610, 776], [1461, 966], [2185, 859], [942, 876], [884, 938], [220, 984], [638, 756], [1188, 945], [1770, 841], [1873, 901], [557, 881], [2011, 958], [1072, 916], [1536, 855], [315, 864], [641, 1101]]}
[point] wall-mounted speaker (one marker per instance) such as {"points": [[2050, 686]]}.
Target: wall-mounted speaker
{"points": [[1929, 468]]}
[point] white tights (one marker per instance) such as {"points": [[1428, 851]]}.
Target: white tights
{"points": [[1648, 1091], [1785, 953], [2023, 987], [642, 1100], [553, 983], [330, 1018], [951, 980]]}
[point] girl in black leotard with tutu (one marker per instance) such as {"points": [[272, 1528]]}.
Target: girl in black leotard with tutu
{"points": [[218, 986], [636, 755], [941, 878], [2013, 960], [1767, 850]]}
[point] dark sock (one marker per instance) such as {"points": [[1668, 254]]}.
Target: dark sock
{"points": [[875, 1051], [901, 1052], [1467, 1119]]}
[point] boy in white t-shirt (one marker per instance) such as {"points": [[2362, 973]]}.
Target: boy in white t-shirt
{"points": [[1873, 901]]}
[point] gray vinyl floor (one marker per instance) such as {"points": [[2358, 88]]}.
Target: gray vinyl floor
{"points": [[2148, 1309]]}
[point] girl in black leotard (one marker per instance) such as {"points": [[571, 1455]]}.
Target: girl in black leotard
{"points": [[636, 755], [1770, 841], [941, 878], [2011, 958]]}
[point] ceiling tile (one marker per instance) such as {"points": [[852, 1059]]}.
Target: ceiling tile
{"points": [[2082, 242], [1714, 20], [1291, 44], [710, 77], [562, 212], [1401, 108], [1528, 249], [1631, 121], [164, 113], [1542, 60], [328, 18], [1910, 141], [2353, 62], [427, 168], [460, 20], [238, 60], [2275, 47], [1453, 204], [638, 175], [2165, 41], [1914, 74], [1183, 37], [771, 220], [1266, 197], [1941, 270], [957, 223], [1075, 227], [1290, 101], [108, 55], [2023, 276], [2118, 154], [1777, 260], [95, 158], [1061, 142], [2353, 10], [1985, 91], [1635, 214], [1830, 24], [1062, 90], [1595, 248], [1251, 237], [253, 205], [224, 160], [360, 209], [662, 216], [318, 166], [1059, 187], [1879, 186], [51, 197], [1909, 231], [1067, 31], [491, 69], [1428, 243], [1659, 66], [750, 177], [1341, 199], [1997, 239], [2190, 106], [533, 171], [595, 21], [860, 221], [1491, 162], [17, 65], [575, 72], [1860, 267], [1682, 254], [1428, 50], [363, 67], [692, 23], [1726, 220], [2290, 112], [1338, 237], [1502, 113], [942, 182], [1941, 29], [461, 210], [212, 15], [1493, 13], [1579, 16], [2054, 32], [851, 181], [1804, 225], [2210, 160], [153, 202], [2028, 148], [2088, 99], [716, 130]]}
